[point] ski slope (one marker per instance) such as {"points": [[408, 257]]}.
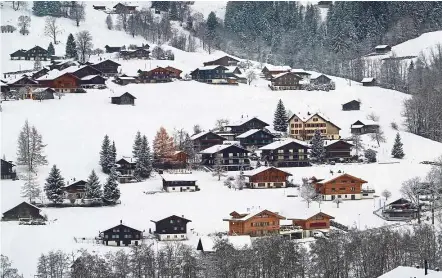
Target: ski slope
{"points": [[74, 126]]}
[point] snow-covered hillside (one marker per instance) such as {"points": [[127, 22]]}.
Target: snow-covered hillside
{"points": [[73, 128]]}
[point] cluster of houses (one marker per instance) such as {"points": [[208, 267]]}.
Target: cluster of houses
{"points": [[156, 75], [37, 52], [120, 8], [140, 52], [222, 71]]}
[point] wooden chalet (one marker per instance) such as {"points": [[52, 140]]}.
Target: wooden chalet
{"points": [[311, 223], [302, 126], [176, 73], [139, 53], [343, 186], [123, 8], [18, 55], [235, 73], [337, 150], [368, 81], [125, 169], [286, 153], [254, 223], [107, 67], [171, 228], [210, 74], [43, 93], [285, 81], [206, 139], [93, 81], [21, 82], [82, 71], [61, 82], [267, 177], [207, 244], [232, 157], [99, 8], [400, 210], [37, 52], [121, 235], [365, 127], [255, 138], [180, 156], [124, 99], [245, 124], [382, 49], [40, 73], [156, 75], [124, 80], [351, 105], [112, 49], [320, 79], [179, 183], [8, 171], [223, 61], [76, 190], [23, 211], [269, 71]]}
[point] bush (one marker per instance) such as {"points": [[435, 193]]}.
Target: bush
{"points": [[394, 126], [370, 155]]}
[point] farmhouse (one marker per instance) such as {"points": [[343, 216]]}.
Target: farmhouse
{"points": [[123, 8], [81, 71], [23, 81], [210, 74], [267, 177], [112, 49], [92, 81], [286, 153], [351, 105], [285, 81], [43, 93], [382, 49], [368, 126], [121, 234], [8, 171], [124, 99], [337, 150], [320, 79], [139, 53], [18, 55], [312, 223], [269, 71], [23, 210], [303, 126], [107, 67], [171, 228], [60, 81], [156, 75], [255, 138], [343, 186], [400, 210], [245, 124], [124, 79], [368, 81], [254, 223], [125, 169], [76, 190], [223, 61], [206, 244], [179, 183], [206, 139], [175, 73], [37, 52], [232, 157]]}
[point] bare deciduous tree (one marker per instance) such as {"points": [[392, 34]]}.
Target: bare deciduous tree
{"points": [[84, 45], [52, 29]]}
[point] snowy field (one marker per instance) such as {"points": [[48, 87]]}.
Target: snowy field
{"points": [[74, 126]]}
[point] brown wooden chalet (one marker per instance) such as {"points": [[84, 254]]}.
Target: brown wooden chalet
{"points": [[270, 71], [175, 73], [400, 210], [180, 156], [266, 177], [121, 235], [157, 75], [365, 127], [255, 138], [112, 49], [223, 61], [123, 8], [246, 124], [210, 74], [286, 153], [18, 55], [93, 81], [320, 79], [37, 52], [76, 190], [179, 183], [23, 210], [342, 186], [8, 171], [368, 81], [254, 223], [124, 99], [64, 82], [124, 80], [42, 93], [206, 139], [309, 223], [82, 71], [139, 53], [125, 169], [107, 67], [351, 105], [232, 157], [23, 81], [285, 81], [171, 228], [337, 150]]}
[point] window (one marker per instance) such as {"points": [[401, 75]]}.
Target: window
{"points": [[175, 228], [182, 228], [175, 236], [296, 131], [296, 119], [168, 236], [333, 189], [106, 236], [339, 196], [292, 125], [301, 150], [344, 181], [280, 157], [171, 221], [315, 119], [342, 188]]}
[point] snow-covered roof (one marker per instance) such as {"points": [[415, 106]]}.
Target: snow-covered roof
{"points": [[248, 133], [315, 75], [364, 123], [126, 78], [367, 79], [3, 83], [12, 81], [251, 213], [88, 77], [51, 75], [217, 148], [408, 271], [243, 121], [278, 144], [238, 242], [209, 67], [278, 68], [231, 69], [306, 115], [300, 71], [331, 142], [331, 177], [38, 90], [279, 75], [198, 135], [382, 46], [285, 222], [303, 214], [261, 169], [27, 204], [178, 177]]}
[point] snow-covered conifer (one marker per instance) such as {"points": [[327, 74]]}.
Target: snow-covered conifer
{"points": [[37, 64], [51, 50], [105, 156], [280, 118], [317, 152], [111, 192], [109, 22], [397, 151], [71, 47], [54, 186], [93, 187], [146, 158], [112, 154], [137, 145], [338, 201]]}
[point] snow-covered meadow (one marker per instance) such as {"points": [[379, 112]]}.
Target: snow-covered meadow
{"points": [[73, 128]]}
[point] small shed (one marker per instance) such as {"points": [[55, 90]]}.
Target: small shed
{"points": [[43, 93], [351, 105], [368, 81], [23, 210], [124, 80], [124, 99], [75, 190], [382, 49]]}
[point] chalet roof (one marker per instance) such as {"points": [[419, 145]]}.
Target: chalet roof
{"points": [[18, 52], [278, 144], [304, 215], [26, 203], [106, 61], [245, 120], [3, 83], [198, 135], [306, 115], [408, 271], [53, 74], [178, 177], [129, 95], [211, 67], [300, 71], [316, 75], [13, 81], [359, 124], [367, 79], [382, 46], [230, 57], [352, 101], [37, 47], [77, 183], [218, 148], [278, 68], [173, 69], [334, 177], [125, 159], [8, 162], [252, 213], [39, 90], [276, 76], [89, 77], [121, 225], [231, 69], [208, 243], [328, 143], [400, 201], [187, 220], [251, 132], [262, 169]]}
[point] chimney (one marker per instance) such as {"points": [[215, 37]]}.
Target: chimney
{"points": [[426, 267]]}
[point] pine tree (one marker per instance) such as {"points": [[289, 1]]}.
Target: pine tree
{"points": [[163, 145], [397, 151], [146, 158], [51, 50], [317, 152], [30, 188], [105, 155], [71, 48], [136, 147], [93, 187], [280, 118], [111, 192], [54, 186], [30, 148], [113, 154], [109, 22]]}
